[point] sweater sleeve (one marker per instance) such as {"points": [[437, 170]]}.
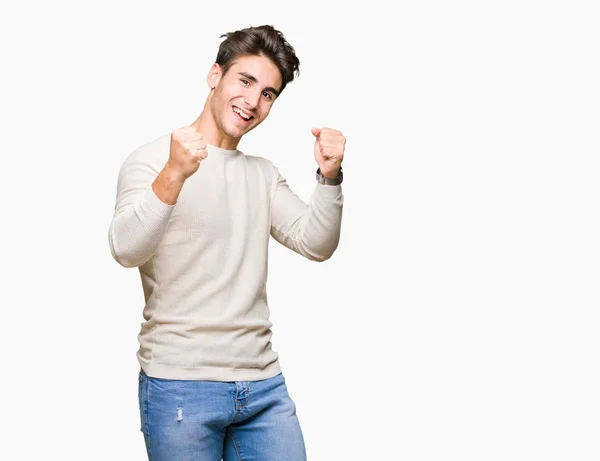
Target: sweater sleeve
{"points": [[140, 218], [310, 229]]}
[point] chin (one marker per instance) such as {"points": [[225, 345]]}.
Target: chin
{"points": [[237, 132]]}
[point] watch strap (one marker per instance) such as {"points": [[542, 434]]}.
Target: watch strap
{"points": [[330, 181]]}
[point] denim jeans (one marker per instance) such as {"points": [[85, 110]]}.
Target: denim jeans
{"points": [[212, 421]]}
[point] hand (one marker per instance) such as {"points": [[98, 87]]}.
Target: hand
{"points": [[329, 150], [187, 151]]}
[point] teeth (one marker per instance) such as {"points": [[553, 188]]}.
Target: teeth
{"points": [[236, 110]]}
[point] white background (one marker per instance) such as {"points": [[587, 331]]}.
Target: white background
{"points": [[459, 317]]}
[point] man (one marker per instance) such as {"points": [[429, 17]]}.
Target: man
{"points": [[195, 215]]}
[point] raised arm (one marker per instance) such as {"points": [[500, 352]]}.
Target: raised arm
{"points": [[313, 229], [147, 194]]}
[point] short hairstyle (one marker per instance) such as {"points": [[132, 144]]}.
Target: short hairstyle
{"points": [[260, 41]]}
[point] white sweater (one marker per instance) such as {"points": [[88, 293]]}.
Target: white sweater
{"points": [[203, 261]]}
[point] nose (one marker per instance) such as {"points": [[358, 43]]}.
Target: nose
{"points": [[251, 99]]}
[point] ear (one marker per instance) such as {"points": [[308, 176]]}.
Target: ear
{"points": [[214, 75]]}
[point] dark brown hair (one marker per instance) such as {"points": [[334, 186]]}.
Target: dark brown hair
{"points": [[260, 41]]}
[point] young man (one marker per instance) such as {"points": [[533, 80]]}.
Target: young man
{"points": [[195, 214]]}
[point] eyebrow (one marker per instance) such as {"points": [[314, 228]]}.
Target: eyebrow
{"points": [[252, 78]]}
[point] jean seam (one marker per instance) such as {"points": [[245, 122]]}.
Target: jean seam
{"points": [[235, 444], [147, 414]]}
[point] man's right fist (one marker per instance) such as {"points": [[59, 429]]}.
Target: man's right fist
{"points": [[187, 151]]}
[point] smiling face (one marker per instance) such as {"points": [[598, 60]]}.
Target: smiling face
{"points": [[242, 97]]}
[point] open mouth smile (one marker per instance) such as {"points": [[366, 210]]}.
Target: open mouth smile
{"points": [[241, 115]]}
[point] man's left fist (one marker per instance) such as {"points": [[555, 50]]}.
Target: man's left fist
{"points": [[329, 150]]}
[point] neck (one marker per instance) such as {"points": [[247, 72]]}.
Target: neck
{"points": [[205, 125]]}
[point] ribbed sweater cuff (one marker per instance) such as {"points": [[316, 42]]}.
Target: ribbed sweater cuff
{"points": [[327, 191]]}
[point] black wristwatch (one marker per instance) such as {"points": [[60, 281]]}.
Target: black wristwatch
{"points": [[330, 181]]}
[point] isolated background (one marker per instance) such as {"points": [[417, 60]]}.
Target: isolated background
{"points": [[459, 317]]}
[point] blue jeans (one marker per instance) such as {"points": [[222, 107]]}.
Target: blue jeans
{"points": [[213, 421]]}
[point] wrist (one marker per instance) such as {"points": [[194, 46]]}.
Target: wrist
{"points": [[331, 174], [172, 175], [168, 185]]}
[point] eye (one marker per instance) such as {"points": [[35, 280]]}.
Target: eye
{"points": [[245, 82], [267, 95]]}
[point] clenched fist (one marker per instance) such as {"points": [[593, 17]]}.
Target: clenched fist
{"points": [[329, 150], [187, 151]]}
